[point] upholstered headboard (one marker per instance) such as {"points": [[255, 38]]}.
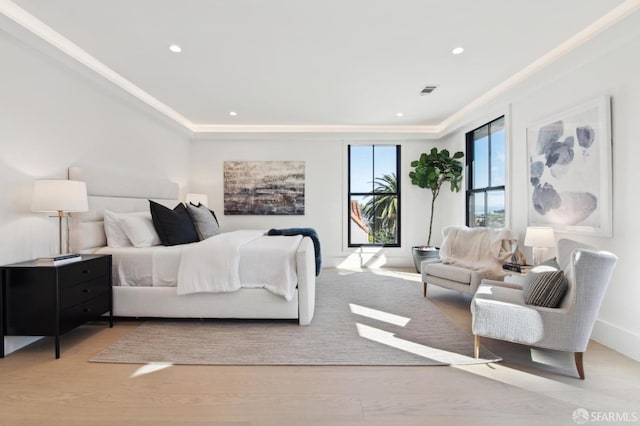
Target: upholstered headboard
{"points": [[116, 192]]}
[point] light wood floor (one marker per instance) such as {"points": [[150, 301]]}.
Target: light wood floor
{"points": [[36, 389]]}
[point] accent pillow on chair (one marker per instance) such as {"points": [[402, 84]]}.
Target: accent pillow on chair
{"points": [[546, 289], [550, 265]]}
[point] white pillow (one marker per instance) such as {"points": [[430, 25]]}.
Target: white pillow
{"points": [[139, 229], [112, 228]]}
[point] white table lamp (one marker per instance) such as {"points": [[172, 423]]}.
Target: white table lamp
{"points": [[59, 196], [540, 238], [197, 198]]}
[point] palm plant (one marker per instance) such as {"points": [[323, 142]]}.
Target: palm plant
{"points": [[382, 208]]}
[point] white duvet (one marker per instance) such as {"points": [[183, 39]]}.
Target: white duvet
{"points": [[213, 265], [225, 262]]}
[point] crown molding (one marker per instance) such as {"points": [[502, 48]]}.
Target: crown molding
{"points": [[606, 21], [46, 33], [286, 128]]}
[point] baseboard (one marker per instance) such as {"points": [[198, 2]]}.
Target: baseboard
{"points": [[13, 343], [619, 339]]}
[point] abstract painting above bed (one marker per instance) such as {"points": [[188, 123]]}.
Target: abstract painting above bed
{"points": [[264, 187]]}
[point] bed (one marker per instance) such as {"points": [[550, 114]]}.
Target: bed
{"points": [[146, 279]]}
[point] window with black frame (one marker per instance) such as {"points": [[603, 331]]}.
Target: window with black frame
{"points": [[486, 173], [374, 195]]}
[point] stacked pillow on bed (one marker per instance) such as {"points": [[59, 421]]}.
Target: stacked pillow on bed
{"points": [[181, 225]]}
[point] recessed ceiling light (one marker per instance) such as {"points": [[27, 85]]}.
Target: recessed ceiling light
{"points": [[233, 113], [175, 48], [458, 50], [399, 114]]}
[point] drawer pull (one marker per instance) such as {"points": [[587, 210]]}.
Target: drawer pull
{"points": [[86, 290], [86, 310], [86, 271]]}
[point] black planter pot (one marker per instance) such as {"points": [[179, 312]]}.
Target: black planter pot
{"points": [[421, 253]]}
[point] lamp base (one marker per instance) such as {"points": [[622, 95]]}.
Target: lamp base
{"points": [[539, 255], [63, 237]]}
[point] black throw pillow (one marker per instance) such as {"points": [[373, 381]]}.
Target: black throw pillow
{"points": [[173, 226]]}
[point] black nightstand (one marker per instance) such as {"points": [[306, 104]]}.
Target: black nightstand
{"points": [[51, 300]]}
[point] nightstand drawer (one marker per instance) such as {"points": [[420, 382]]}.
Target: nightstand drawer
{"points": [[78, 272], [86, 290], [83, 312]]}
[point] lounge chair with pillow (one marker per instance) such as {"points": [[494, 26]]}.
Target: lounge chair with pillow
{"points": [[556, 308], [467, 256]]}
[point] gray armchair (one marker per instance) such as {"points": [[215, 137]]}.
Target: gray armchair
{"points": [[467, 256], [500, 312]]}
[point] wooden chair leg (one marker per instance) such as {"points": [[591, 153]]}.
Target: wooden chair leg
{"points": [[476, 346], [424, 287], [579, 365]]}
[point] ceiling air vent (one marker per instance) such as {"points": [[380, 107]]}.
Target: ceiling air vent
{"points": [[428, 90]]}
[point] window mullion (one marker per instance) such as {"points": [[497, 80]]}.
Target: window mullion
{"points": [[489, 156]]}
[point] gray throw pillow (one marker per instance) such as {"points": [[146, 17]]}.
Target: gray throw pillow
{"points": [[546, 266], [204, 220], [546, 289]]}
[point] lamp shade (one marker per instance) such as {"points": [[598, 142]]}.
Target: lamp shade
{"points": [[59, 196], [539, 236], [197, 198]]}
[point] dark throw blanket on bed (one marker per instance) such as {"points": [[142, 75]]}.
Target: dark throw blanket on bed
{"points": [[307, 232]]}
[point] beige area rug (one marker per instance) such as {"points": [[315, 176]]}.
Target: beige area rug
{"points": [[361, 318]]}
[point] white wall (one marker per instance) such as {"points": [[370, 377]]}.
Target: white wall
{"points": [[323, 183], [52, 117], [325, 191], [606, 65]]}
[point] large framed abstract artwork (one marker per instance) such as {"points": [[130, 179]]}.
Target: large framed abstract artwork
{"points": [[570, 176], [264, 187]]}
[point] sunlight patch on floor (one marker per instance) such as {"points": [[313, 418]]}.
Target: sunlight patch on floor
{"points": [[405, 274], [402, 274], [389, 339], [379, 315], [570, 393], [364, 257], [149, 368]]}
